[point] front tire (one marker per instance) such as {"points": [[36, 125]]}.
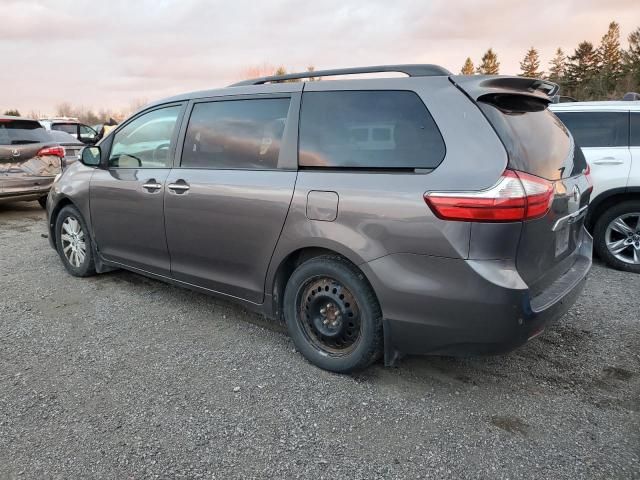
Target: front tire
{"points": [[74, 243], [332, 315], [617, 236]]}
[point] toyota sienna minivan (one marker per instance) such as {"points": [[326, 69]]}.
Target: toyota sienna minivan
{"points": [[426, 214]]}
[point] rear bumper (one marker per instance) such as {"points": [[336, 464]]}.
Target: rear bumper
{"points": [[434, 305], [19, 187]]}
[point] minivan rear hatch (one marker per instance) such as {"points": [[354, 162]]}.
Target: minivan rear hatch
{"points": [[539, 144]]}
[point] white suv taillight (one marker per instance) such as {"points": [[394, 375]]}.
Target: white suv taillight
{"points": [[517, 196]]}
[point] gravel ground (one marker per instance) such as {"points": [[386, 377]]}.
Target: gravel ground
{"points": [[119, 376]]}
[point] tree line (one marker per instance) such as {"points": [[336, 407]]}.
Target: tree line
{"points": [[85, 115], [590, 73]]}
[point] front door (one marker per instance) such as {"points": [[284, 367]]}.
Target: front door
{"points": [[227, 202], [127, 198]]}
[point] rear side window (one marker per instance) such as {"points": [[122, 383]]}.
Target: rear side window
{"points": [[536, 141], [368, 129], [235, 134], [22, 132], [597, 129], [634, 130]]}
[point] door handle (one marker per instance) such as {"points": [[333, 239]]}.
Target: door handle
{"points": [[608, 161], [152, 185], [179, 187]]}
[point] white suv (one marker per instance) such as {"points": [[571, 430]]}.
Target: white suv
{"points": [[609, 134]]}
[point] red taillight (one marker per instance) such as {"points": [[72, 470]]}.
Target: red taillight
{"points": [[52, 151], [517, 196], [587, 173]]}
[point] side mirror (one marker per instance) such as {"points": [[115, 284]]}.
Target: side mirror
{"points": [[91, 156]]}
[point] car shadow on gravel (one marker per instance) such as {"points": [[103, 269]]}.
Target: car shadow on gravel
{"points": [[563, 360], [149, 286]]}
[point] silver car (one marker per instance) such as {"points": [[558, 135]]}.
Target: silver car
{"points": [[433, 214]]}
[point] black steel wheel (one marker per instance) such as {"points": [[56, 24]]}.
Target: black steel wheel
{"points": [[329, 315], [333, 315]]}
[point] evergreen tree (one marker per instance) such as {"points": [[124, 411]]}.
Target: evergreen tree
{"points": [[610, 60], [583, 65], [490, 64], [631, 61], [468, 68], [530, 64], [558, 67]]}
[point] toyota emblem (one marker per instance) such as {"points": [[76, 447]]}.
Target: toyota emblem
{"points": [[15, 152]]}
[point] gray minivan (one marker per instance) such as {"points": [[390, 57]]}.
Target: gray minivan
{"points": [[430, 213]]}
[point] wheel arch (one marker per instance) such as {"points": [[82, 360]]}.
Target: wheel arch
{"points": [[60, 204], [280, 274], [607, 199]]}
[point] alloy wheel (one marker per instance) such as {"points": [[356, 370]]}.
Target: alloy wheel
{"points": [[73, 242], [622, 238]]}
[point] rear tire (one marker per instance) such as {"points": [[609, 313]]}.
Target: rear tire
{"points": [[74, 243], [332, 315], [43, 202], [610, 235]]}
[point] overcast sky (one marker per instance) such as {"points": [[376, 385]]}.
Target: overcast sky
{"points": [[108, 53]]}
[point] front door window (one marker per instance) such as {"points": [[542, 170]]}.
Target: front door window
{"points": [[147, 141]]}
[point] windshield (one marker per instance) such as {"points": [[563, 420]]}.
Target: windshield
{"points": [[21, 132]]}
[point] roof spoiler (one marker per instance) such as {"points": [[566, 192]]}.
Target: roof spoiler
{"points": [[414, 70], [477, 86]]}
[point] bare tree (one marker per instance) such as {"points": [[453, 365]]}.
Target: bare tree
{"points": [[64, 109]]}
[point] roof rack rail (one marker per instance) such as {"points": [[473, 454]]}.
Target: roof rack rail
{"points": [[415, 70]]}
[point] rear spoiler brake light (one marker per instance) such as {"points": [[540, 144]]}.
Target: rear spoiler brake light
{"points": [[477, 86]]}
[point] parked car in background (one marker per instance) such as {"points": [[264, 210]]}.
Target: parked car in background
{"points": [[609, 134], [432, 214], [86, 134], [562, 99], [72, 146], [30, 159]]}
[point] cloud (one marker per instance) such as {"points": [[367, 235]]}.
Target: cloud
{"points": [[104, 54]]}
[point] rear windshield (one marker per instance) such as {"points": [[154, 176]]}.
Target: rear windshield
{"points": [[22, 132], [65, 127], [63, 137], [537, 142]]}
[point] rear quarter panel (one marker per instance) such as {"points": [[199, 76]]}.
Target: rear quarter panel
{"points": [[385, 213]]}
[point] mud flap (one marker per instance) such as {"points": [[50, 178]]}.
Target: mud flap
{"points": [[391, 355]]}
